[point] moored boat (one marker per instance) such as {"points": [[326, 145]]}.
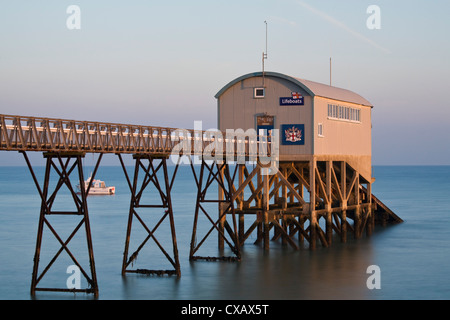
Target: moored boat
{"points": [[98, 187]]}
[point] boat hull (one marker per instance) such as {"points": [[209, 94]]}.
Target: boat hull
{"points": [[102, 191]]}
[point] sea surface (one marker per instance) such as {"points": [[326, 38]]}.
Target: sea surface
{"points": [[413, 257]]}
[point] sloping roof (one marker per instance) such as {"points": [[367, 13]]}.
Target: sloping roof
{"points": [[311, 87]]}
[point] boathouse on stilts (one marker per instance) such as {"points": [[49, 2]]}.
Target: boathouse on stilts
{"points": [[323, 182]]}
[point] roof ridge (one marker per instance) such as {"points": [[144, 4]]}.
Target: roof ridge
{"points": [[313, 88]]}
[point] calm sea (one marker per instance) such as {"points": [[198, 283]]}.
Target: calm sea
{"points": [[413, 257]]}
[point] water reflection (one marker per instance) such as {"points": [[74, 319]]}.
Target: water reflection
{"points": [[326, 273]]}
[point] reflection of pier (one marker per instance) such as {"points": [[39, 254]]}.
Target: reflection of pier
{"points": [[308, 199]]}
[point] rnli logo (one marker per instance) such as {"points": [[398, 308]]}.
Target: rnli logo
{"points": [[296, 95], [293, 134]]}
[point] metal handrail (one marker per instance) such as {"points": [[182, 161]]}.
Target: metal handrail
{"points": [[22, 133]]}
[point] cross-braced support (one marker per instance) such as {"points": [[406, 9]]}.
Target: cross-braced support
{"points": [[163, 189], [211, 175], [307, 200], [258, 195], [63, 164]]}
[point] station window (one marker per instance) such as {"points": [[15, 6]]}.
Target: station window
{"points": [[259, 93], [320, 130], [344, 113]]}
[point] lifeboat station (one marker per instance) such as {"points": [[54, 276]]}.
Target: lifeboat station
{"points": [[324, 179]]}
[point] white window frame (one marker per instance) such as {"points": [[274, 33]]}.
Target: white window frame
{"points": [[256, 96], [344, 113], [320, 130]]}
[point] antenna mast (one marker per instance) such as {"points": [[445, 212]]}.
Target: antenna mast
{"points": [[264, 56], [330, 71]]}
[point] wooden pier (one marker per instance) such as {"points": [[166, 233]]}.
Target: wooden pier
{"points": [[303, 201], [289, 205]]}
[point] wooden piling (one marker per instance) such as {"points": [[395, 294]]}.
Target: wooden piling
{"points": [[312, 205]]}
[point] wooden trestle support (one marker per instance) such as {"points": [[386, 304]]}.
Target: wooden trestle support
{"points": [[209, 175], [304, 200], [163, 189], [63, 164]]}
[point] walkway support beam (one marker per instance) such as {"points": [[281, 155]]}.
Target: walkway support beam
{"points": [[64, 165], [156, 176]]}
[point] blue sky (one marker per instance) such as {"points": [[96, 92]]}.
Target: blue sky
{"points": [[162, 62]]}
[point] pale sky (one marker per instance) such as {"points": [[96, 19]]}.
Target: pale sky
{"points": [[162, 62]]}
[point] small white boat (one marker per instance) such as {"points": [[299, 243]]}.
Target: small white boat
{"points": [[98, 187]]}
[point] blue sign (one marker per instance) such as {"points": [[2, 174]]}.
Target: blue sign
{"points": [[292, 134], [289, 101]]}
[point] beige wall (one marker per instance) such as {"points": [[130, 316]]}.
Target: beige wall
{"points": [[350, 141], [342, 137]]}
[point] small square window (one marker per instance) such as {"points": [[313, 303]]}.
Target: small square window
{"points": [[259, 93]]}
